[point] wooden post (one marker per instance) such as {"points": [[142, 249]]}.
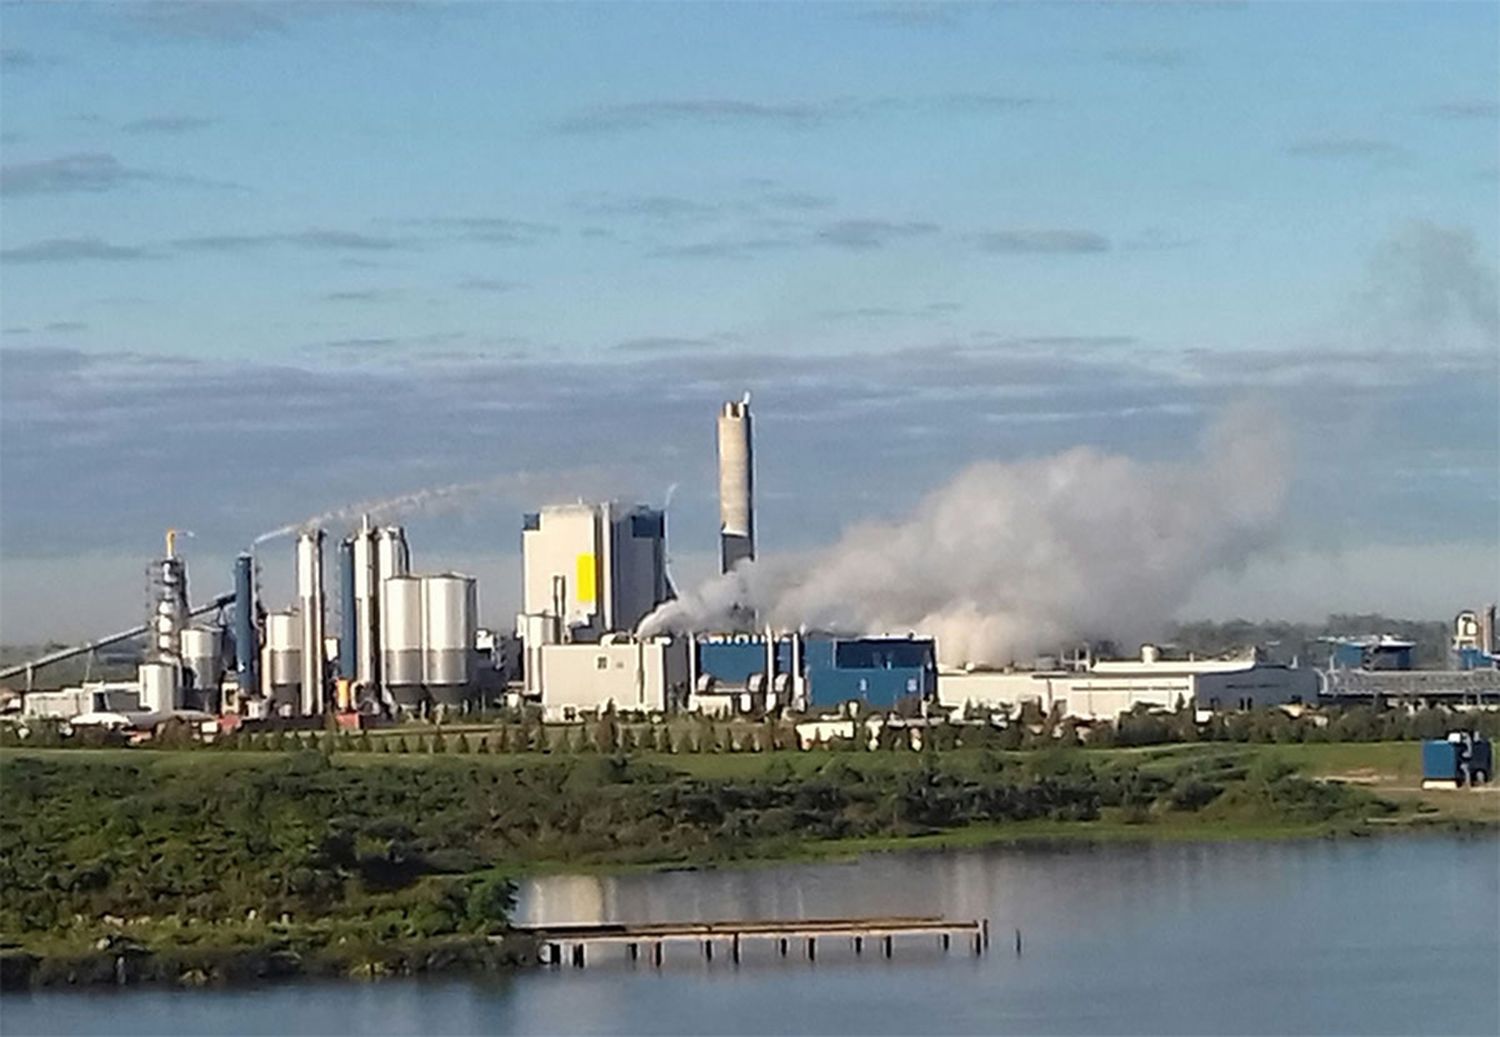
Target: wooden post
{"points": [[859, 945], [578, 955], [889, 940], [783, 942], [708, 950], [554, 954], [977, 945], [1018, 943], [635, 952], [734, 948], [945, 939], [984, 927], [812, 948], [656, 953]]}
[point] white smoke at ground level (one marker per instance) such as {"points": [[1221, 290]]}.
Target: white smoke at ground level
{"points": [[1009, 560]]}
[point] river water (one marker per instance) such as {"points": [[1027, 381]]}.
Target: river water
{"points": [[1393, 936]]}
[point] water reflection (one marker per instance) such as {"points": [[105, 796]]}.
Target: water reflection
{"points": [[1379, 936]]}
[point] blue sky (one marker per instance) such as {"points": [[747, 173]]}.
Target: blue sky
{"points": [[262, 260]]}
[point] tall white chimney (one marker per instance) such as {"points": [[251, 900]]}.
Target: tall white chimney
{"points": [[736, 485], [310, 602]]}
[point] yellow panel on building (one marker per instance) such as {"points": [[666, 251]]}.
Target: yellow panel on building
{"points": [[588, 580]]}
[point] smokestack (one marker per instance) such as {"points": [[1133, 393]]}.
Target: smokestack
{"points": [[736, 485], [366, 611], [310, 600], [348, 628], [246, 639]]}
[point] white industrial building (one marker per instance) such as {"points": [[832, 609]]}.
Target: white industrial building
{"points": [[649, 675], [1106, 689], [592, 569]]}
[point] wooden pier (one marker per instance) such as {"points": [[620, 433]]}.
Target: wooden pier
{"points": [[562, 944]]}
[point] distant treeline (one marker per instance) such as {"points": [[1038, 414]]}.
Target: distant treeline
{"points": [[1302, 640]]}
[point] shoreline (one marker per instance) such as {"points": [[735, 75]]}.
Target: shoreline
{"points": [[290, 957], [405, 869]]}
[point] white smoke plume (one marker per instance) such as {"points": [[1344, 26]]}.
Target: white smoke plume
{"points": [[431, 499], [1012, 559]]}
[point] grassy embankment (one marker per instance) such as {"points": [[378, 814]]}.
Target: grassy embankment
{"points": [[199, 865]]}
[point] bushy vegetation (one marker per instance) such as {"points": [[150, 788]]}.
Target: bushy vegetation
{"points": [[417, 848]]}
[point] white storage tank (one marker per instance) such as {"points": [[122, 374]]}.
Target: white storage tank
{"points": [[401, 638], [159, 686], [284, 659], [449, 622], [200, 657]]}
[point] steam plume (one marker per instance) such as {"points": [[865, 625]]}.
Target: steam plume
{"points": [[1012, 559]]}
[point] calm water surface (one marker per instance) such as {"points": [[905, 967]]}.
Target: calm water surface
{"points": [[1360, 936]]}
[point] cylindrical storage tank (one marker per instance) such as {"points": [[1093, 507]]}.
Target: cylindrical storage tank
{"points": [[450, 607], [159, 686], [200, 657], [284, 657], [401, 638]]}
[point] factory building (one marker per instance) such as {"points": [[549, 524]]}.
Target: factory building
{"points": [[592, 569], [1105, 689], [813, 673], [645, 675], [1474, 646]]}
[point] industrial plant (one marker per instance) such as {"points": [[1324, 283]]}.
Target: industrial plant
{"points": [[379, 641]]}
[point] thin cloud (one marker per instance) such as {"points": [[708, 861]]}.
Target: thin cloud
{"points": [[66, 325], [15, 59], [664, 208], [86, 171], [313, 239], [71, 250], [495, 230], [941, 15], [1485, 109], [488, 284], [1148, 57], [647, 115], [862, 235], [168, 124], [1337, 147], [986, 102], [664, 344], [359, 295], [1041, 242], [224, 21], [724, 248]]}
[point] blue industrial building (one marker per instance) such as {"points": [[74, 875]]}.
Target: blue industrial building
{"points": [[878, 672], [1372, 653]]}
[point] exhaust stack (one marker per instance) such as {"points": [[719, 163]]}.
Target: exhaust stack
{"points": [[736, 485], [310, 599]]}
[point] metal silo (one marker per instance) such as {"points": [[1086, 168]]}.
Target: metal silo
{"points": [[449, 620], [401, 638], [160, 686], [392, 558], [284, 659], [310, 599], [200, 657]]}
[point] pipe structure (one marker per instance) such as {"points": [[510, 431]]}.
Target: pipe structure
{"points": [[103, 642], [310, 600], [736, 485], [348, 613], [246, 641]]}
